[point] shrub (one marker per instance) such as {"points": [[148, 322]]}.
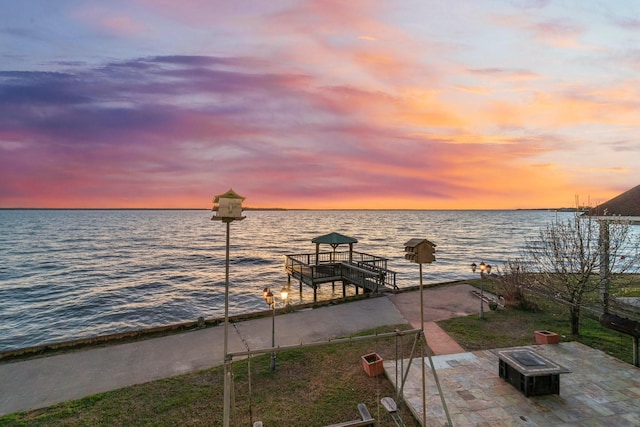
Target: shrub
{"points": [[511, 284]]}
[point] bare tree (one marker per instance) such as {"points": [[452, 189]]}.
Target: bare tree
{"points": [[567, 257]]}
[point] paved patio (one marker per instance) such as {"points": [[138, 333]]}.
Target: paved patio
{"points": [[599, 391]]}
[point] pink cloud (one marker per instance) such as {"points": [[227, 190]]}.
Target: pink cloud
{"points": [[629, 23], [110, 22], [562, 33], [506, 74]]}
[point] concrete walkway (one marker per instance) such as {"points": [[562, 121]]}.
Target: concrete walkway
{"points": [[440, 303], [41, 382]]}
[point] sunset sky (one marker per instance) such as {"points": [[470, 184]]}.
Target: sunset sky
{"points": [[379, 104]]}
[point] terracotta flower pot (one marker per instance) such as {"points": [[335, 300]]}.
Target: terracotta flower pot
{"points": [[546, 337], [372, 364]]}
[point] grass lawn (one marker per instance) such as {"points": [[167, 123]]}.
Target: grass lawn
{"points": [[310, 387], [511, 327]]}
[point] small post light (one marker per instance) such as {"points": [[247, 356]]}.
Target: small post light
{"points": [[484, 269], [270, 299], [268, 296]]}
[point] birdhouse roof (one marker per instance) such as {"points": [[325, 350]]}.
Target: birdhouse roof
{"points": [[415, 242], [228, 195]]}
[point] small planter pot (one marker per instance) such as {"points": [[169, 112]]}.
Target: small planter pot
{"points": [[546, 337], [372, 364]]}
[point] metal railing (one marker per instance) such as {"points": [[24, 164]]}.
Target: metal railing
{"points": [[360, 268], [343, 256]]}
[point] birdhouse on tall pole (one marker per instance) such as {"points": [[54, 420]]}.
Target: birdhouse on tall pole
{"points": [[420, 251], [228, 207]]}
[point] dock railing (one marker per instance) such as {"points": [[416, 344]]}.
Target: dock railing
{"points": [[367, 270]]}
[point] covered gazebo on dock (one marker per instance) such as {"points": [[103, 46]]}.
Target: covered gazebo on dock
{"points": [[360, 269], [334, 240]]}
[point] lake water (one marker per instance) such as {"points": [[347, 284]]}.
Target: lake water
{"points": [[69, 274]]}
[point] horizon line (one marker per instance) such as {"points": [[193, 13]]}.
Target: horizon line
{"points": [[568, 209]]}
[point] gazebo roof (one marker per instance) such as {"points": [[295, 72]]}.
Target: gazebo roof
{"points": [[625, 205], [334, 239]]}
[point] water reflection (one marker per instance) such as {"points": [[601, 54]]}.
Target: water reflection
{"points": [[77, 273]]}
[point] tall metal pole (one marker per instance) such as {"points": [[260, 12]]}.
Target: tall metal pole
{"points": [[424, 342], [605, 268], [433, 368], [227, 364], [481, 294], [226, 295], [228, 208], [272, 366]]}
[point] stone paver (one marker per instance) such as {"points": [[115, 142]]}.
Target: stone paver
{"points": [[599, 391]]}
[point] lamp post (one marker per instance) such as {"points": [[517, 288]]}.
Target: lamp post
{"points": [[484, 268], [227, 208], [270, 299]]}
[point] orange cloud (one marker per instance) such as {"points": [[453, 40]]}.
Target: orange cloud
{"points": [[478, 90]]}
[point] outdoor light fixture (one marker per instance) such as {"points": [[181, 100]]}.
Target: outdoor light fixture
{"points": [[270, 299], [268, 296], [284, 293], [484, 269], [227, 208]]}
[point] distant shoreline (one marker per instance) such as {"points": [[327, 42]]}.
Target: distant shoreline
{"points": [[296, 209]]}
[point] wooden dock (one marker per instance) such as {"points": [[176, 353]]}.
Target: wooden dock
{"points": [[364, 271]]}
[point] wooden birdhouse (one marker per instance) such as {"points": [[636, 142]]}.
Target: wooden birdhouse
{"points": [[228, 207], [420, 251]]}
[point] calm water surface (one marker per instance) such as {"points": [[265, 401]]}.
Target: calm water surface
{"points": [[68, 274]]}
